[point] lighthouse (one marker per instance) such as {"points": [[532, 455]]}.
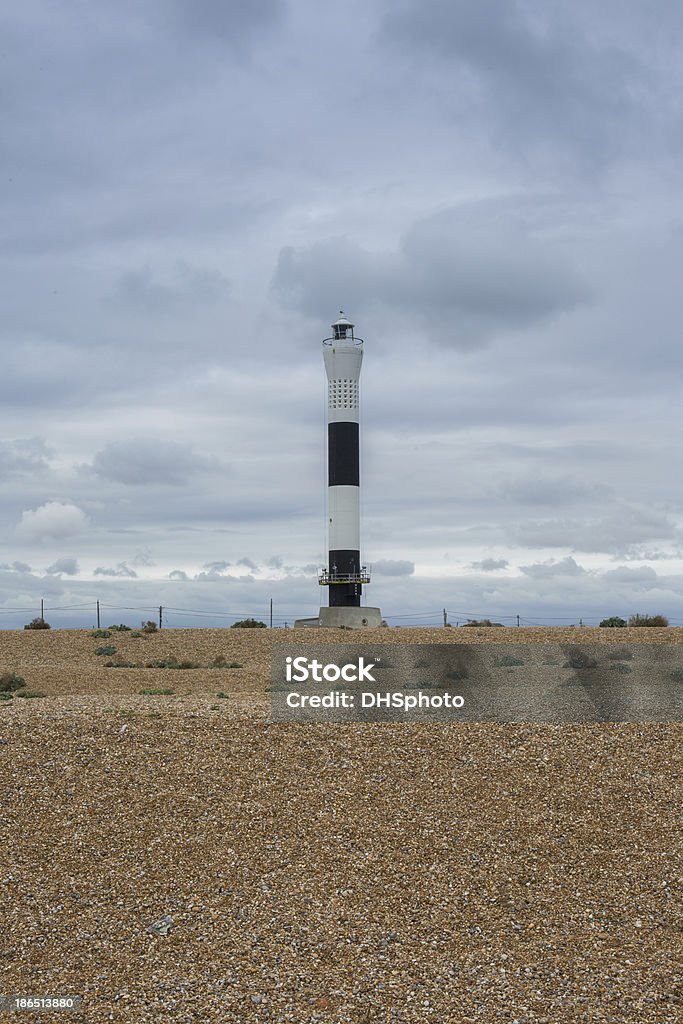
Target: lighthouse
{"points": [[345, 574]]}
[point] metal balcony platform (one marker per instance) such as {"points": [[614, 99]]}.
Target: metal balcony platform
{"points": [[330, 579]]}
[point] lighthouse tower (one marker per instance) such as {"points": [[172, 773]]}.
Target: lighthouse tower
{"points": [[345, 574]]}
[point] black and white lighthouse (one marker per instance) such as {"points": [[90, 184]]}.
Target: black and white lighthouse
{"points": [[345, 574]]}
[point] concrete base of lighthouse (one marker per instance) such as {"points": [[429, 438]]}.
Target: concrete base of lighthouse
{"points": [[351, 618], [343, 617]]}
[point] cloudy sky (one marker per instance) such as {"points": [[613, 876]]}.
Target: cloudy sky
{"points": [[193, 188]]}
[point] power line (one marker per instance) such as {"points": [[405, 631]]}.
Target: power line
{"points": [[287, 615]]}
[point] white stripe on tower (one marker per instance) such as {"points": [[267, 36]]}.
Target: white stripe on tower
{"points": [[343, 355]]}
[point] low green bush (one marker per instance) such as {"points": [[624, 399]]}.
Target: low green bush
{"points": [[105, 650], [508, 661], [38, 624], [481, 622], [10, 681], [613, 623], [648, 620], [220, 661], [171, 663], [581, 661]]}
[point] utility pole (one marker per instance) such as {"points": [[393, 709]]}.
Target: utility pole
{"points": [[518, 620], [161, 612], [271, 613], [445, 618], [98, 614]]}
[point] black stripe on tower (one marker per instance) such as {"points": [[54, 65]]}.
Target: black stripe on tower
{"points": [[342, 455], [345, 594]]}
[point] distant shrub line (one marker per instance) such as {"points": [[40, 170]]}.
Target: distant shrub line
{"points": [[220, 662], [648, 620], [481, 622], [108, 650]]}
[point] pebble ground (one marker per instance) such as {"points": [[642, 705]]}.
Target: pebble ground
{"points": [[177, 858]]}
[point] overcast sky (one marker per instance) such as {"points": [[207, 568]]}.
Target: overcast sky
{"points": [[192, 189]]}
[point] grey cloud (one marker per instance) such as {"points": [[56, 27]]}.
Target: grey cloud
{"points": [[141, 292], [640, 574], [215, 568], [393, 567], [145, 461], [563, 491], [638, 554], [297, 571], [531, 72], [23, 456], [20, 567], [39, 372], [51, 521], [312, 278], [34, 587], [218, 570], [178, 574], [248, 563], [483, 264], [152, 80], [143, 557], [221, 577], [465, 273], [564, 567], [66, 566], [490, 564], [230, 22], [553, 451], [612, 533], [121, 570]]}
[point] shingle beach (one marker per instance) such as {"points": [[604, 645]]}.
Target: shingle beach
{"points": [[178, 858]]}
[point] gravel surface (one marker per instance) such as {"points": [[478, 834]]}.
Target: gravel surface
{"points": [[177, 858]]}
